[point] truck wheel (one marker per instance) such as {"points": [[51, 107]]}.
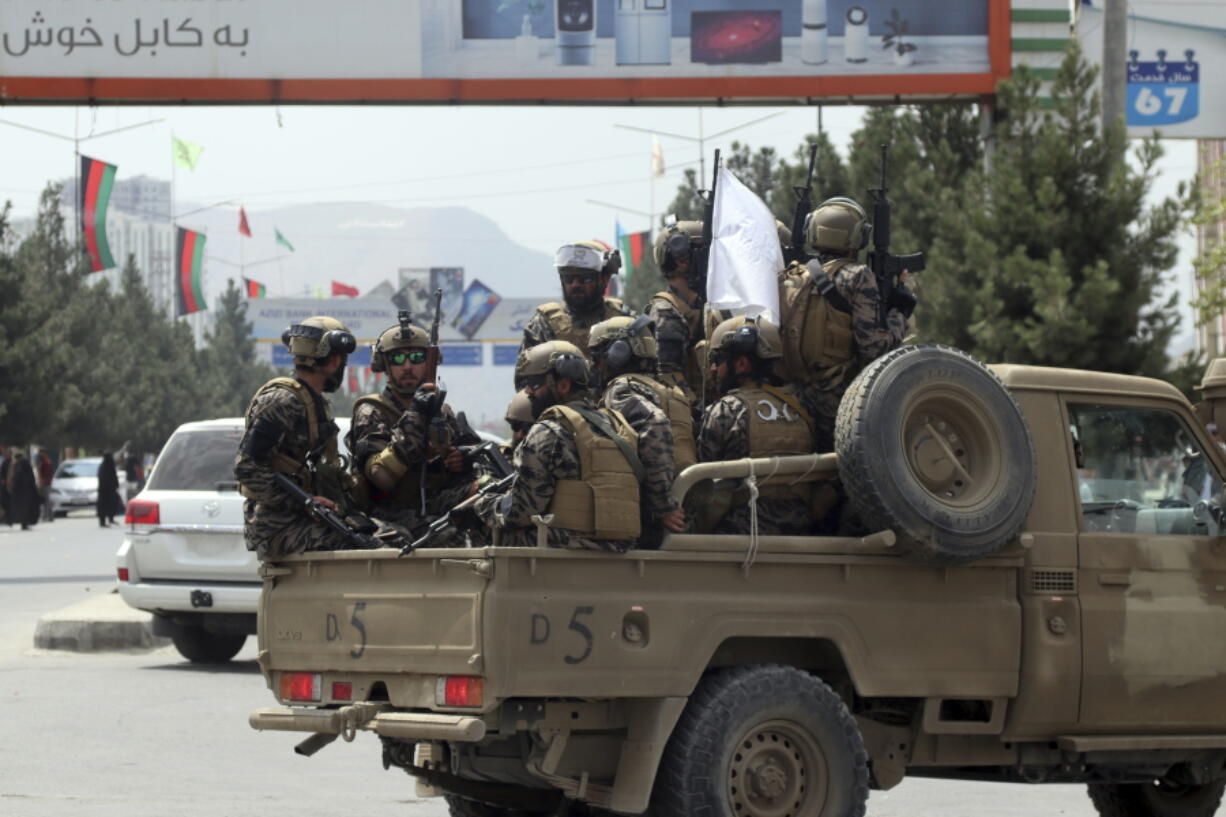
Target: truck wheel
{"points": [[463, 807], [1157, 799], [763, 741], [199, 646], [932, 445]]}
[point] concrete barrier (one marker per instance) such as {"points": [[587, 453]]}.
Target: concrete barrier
{"points": [[97, 624]]}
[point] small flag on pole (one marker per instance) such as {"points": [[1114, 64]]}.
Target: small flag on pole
{"points": [[657, 157], [95, 194], [343, 289], [254, 289], [243, 226], [189, 272], [186, 154], [634, 247], [282, 241], [745, 254]]}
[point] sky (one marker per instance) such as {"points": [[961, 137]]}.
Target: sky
{"points": [[536, 171]]}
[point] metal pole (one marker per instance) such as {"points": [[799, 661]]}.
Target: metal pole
{"points": [[1115, 69]]}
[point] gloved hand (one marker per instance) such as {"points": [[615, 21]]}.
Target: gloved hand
{"points": [[903, 300], [427, 400], [465, 517]]}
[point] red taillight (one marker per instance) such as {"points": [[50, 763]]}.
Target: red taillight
{"points": [[142, 513], [342, 691], [123, 574], [460, 690], [301, 686]]}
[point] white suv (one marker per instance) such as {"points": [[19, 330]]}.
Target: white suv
{"points": [[184, 558]]}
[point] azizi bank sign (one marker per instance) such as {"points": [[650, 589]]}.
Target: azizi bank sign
{"points": [[406, 51]]}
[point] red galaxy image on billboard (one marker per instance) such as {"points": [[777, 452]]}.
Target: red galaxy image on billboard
{"points": [[730, 37]]}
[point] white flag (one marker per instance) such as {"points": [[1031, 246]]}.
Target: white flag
{"points": [[743, 272], [657, 157]]}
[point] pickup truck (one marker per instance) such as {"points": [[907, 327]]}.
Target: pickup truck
{"points": [[1029, 585]]}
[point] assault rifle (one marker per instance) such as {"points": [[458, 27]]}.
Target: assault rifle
{"points": [[444, 523], [432, 352], [886, 268], [701, 256], [804, 206], [357, 538]]}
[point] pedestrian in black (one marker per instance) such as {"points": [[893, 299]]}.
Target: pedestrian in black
{"points": [[5, 461], [25, 504], [109, 501]]}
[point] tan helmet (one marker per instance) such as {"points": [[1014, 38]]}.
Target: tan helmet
{"points": [[618, 339], [519, 410], [556, 357], [318, 337], [838, 225], [756, 337], [689, 235], [405, 336]]}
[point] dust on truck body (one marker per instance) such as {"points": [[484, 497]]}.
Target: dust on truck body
{"points": [[791, 674]]}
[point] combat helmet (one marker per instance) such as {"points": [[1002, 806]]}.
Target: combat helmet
{"points": [[519, 410], [403, 336], [741, 335], [619, 339], [558, 358], [588, 255], [316, 338], [675, 240], [838, 225]]}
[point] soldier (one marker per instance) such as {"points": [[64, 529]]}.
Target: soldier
{"points": [[832, 312], [755, 418], [624, 352], [403, 439], [519, 418], [289, 430], [677, 311], [585, 268], [579, 463]]}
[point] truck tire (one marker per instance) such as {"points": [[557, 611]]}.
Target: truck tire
{"points": [[763, 741], [460, 806], [1157, 799], [932, 446], [199, 646]]}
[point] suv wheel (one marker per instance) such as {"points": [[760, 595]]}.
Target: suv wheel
{"points": [[1160, 798], [199, 646], [763, 741]]}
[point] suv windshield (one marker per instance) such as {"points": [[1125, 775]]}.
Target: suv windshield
{"points": [[197, 460], [77, 468]]}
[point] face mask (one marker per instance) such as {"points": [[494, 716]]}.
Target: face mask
{"points": [[335, 379]]}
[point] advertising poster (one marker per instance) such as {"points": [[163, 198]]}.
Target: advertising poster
{"points": [[414, 293], [479, 303], [451, 281]]}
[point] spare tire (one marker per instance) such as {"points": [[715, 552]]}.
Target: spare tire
{"points": [[932, 446]]}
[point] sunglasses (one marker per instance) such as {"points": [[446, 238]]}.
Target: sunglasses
{"points": [[532, 382], [581, 277], [411, 356]]}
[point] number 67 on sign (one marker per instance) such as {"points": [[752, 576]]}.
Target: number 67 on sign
{"points": [[1161, 92]]}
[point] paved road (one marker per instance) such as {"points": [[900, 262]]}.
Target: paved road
{"points": [[129, 735]]}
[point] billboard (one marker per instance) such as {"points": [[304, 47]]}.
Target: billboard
{"points": [[1176, 66], [496, 51]]}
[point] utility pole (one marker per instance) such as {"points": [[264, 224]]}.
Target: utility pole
{"points": [[1115, 69]]}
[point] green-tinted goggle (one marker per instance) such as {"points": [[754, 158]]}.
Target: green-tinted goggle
{"points": [[408, 356]]}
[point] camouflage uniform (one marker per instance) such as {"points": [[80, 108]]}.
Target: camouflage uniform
{"points": [[372, 432], [823, 388], [546, 455], [636, 402], [725, 436], [540, 329], [674, 317], [274, 524]]}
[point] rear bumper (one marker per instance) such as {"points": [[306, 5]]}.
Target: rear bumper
{"points": [[405, 725], [177, 596]]}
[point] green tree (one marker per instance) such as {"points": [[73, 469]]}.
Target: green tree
{"points": [[1210, 265], [229, 356]]}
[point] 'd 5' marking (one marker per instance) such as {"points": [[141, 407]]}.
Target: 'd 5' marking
{"points": [[540, 630], [332, 630]]}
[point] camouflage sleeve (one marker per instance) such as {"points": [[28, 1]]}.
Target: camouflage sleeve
{"points": [[272, 415], [669, 325], [531, 491], [872, 340], [655, 444], [536, 331], [725, 431]]}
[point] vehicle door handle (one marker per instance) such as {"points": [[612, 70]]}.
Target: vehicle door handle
{"points": [[1114, 579]]}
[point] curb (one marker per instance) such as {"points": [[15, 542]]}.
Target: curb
{"points": [[97, 624]]}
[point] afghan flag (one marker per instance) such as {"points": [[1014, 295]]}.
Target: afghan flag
{"points": [[189, 272], [94, 194], [634, 248], [254, 289]]}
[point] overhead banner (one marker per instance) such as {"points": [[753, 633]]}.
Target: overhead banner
{"points": [[492, 50]]}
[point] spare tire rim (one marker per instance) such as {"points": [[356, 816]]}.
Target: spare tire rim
{"points": [[952, 446], [776, 769]]}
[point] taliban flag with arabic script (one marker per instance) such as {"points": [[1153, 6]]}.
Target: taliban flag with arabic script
{"points": [[189, 272], [95, 194]]}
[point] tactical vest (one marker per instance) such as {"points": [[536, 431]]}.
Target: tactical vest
{"points": [[604, 502], [778, 427], [816, 334], [406, 491], [696, 358], [678, 407], [563, 325], [294, 462]]}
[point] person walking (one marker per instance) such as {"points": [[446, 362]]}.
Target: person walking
{"points": [[46, 471], [109, 501], [23, 493]]}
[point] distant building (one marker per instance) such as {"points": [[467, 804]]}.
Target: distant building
{"points": [[141, 196], [1211, 167]]}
